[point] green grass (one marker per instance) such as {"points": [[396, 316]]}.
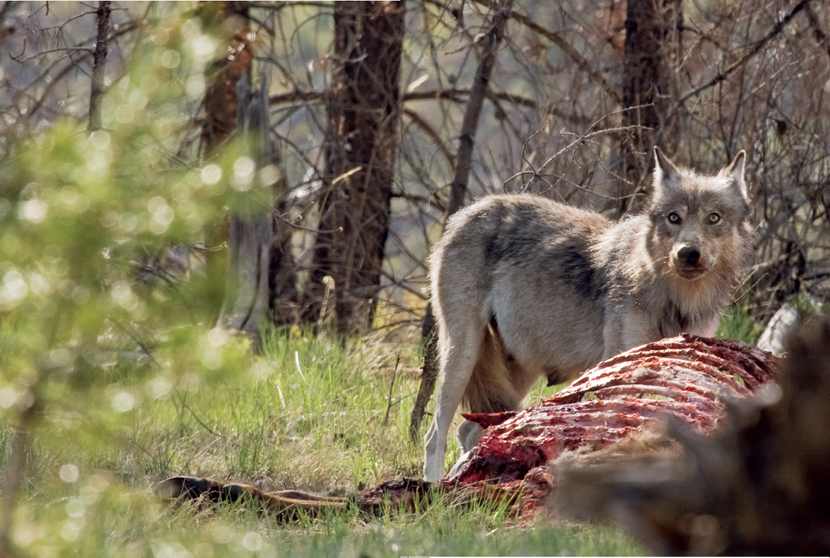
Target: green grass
{"points": [[736, 323], [109, 524], [311, 416]]}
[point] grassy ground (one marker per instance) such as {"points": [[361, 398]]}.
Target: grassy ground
{"points": [[313, 416]]}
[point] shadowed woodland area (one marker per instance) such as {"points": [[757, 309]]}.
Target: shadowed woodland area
{"points": [[194, 193]]}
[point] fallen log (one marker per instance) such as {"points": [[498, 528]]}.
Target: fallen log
{"points": [[612, 409]]}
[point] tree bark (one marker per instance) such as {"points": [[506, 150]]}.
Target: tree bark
{"points": [[282, 277], [221, 104], [247, 298], [99, 62], [361, 149], [231, 107], [458, 192], [648, 26], [220, 121]]}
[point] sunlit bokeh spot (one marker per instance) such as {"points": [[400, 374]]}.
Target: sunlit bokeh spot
{"points": [[268, 175], [33, 210], [203, 47], [195, 86], [8, 397], [211, 174], [69, 473], [159, 387], [100, 139], [13, 289], [123, 401], [170, 59], [76, 507], [161, 214], [71, 530], [243, 173], [252, 541]]}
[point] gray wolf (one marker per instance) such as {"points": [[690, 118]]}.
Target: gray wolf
{"points": [[525, 287]]}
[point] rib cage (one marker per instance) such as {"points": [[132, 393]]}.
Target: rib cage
{"points": [[688, 378]]}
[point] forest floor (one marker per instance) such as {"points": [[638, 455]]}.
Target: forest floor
{"points": [[315, 416]]}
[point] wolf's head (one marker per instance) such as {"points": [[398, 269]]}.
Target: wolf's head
{"points": [[700, 224]]}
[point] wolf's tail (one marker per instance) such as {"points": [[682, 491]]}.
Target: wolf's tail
{"points": [[491, 389]]}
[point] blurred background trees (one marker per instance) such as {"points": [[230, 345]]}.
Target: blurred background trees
{"points": [[367, 104]]}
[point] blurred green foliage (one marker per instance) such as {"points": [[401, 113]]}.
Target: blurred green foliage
{"points": [[83, 338]]}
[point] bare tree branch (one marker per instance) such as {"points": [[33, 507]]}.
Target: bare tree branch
{"points": [[469, 125], [418, 120], [723, 74], [581, 62]]}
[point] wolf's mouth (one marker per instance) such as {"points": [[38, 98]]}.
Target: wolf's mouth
{"points": [[691, 273]]}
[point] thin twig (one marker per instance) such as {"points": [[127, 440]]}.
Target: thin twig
{"points": [[183, 402], [578, 140], [391, 385], [19, 60], [818, 32], [419, 121]]}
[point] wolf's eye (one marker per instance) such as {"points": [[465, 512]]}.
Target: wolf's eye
{"points": [[713, 218], [674, 218]]}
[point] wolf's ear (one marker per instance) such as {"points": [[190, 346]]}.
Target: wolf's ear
{"points": [[666, 173], [735, 172]]}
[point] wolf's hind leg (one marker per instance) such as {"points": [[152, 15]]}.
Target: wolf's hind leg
{"points": [[459, 345]]}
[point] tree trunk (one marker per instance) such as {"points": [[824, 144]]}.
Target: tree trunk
{"points": [[361, 148], [458, 192], [221, 119], [247, 292], [231, 106], [221, 104], [648, 27], [282, 277], [99, 61]]}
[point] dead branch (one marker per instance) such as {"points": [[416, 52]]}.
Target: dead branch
{"points": [[432, 133], [458, 191], [469, 125]]}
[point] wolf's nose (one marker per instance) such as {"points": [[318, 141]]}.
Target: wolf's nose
{"points": [[689, 255]]}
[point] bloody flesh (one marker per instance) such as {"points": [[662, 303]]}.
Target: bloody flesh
{"points": [[686, 377]]}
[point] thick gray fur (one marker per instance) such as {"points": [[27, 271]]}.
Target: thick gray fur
{"points": [[525, 287]]}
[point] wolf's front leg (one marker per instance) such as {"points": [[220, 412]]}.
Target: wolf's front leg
{"points": [[434, 453]]}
